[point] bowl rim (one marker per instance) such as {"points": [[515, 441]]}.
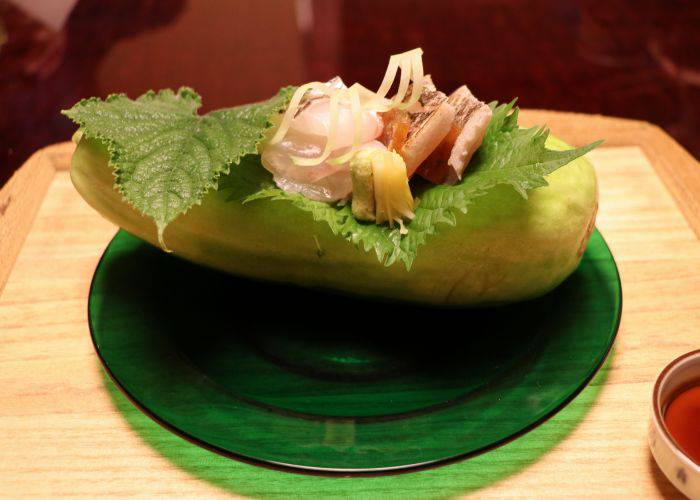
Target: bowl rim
{"points": [[658, 415]]}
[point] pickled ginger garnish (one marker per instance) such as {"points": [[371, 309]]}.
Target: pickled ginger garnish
{"points": [[359, 99], [380, 184], [411, 65], [418, 80], [392, 194]]}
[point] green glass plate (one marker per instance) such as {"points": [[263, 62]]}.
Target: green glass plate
{"points": [[285, 376]]}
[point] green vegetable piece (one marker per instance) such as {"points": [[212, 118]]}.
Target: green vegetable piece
{"points": [[506, 249], [165, 156], [362, 186]]}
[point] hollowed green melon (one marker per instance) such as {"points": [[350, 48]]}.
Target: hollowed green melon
{"points": [[504, 249]]}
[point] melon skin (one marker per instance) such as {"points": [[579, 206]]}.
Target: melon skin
{"points": [[505, 249]]}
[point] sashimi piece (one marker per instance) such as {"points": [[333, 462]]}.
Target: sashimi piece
{"points": [[315, 120], [447, 163], [429, 126], [306, 138], [323, 182]]}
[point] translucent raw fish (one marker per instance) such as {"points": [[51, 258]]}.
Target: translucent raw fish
{"points": [[307, 138], [315, 120]]}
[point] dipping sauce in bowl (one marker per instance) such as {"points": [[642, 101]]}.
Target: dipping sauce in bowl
{"points": [[682, 420], [674, 426]]}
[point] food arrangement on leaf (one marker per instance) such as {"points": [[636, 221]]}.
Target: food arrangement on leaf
{"points": [[414, 195]]}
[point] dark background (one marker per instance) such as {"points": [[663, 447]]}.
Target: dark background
{"points": [[637, 59]]}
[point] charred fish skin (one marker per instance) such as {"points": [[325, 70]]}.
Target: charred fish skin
{"points": [[464, 103], [472, 118], [429, 126]]}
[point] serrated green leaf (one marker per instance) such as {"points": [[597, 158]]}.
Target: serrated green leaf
{"points": [[165, 156], [508, 155], [247, 179]]}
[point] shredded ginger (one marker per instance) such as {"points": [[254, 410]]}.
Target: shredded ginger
{"points": [[358, 99]]}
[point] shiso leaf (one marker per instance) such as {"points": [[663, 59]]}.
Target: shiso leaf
{"points": [[165, 156], [508, 155]]}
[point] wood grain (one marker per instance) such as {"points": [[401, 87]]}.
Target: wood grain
{"points": [[20, 199], [66, 431]]}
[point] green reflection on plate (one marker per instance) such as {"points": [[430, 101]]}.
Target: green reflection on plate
{"points": [[311, 379]]}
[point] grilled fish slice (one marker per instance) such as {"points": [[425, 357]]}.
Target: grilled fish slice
{"points": [[429, 126], [448, 161], [474, 117]]}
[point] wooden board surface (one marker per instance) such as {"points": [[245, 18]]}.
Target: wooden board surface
{"points": [[65, 430]]}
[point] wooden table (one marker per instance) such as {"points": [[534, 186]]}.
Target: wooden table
{"points": [[65, 429]]}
